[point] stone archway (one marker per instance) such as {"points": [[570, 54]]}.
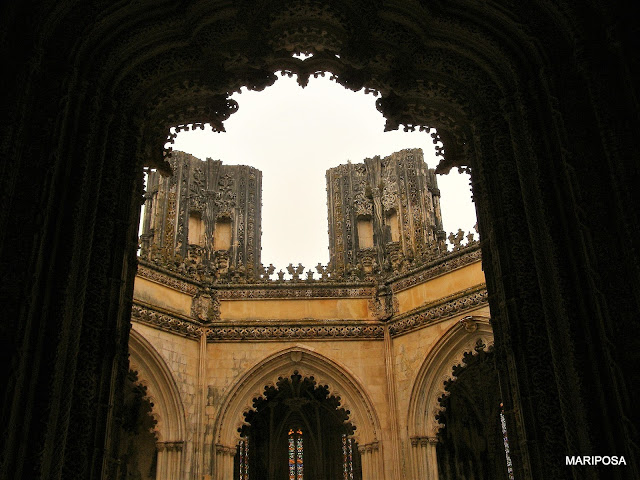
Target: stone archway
{"points": [[429, 386], [471, 442], [536, 97], [139, 439], [297, 429], [307, 363], [168, 411]]}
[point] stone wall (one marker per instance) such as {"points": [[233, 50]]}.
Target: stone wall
{"points": [[377, 366]]}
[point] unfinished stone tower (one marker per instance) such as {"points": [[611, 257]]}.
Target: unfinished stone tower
{"points": [[206, 215], [383, 211]]}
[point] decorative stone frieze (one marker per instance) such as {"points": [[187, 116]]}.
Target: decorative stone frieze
{"points": [[168, 279], [290, 291], [228, 331], [295, 332], [165, 321], [445, 308], [446, 263]]}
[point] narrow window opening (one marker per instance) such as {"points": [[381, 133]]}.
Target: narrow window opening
{"points": [[222, 234], [365, 232], [347, 457], [242, 460], [296, 452], [503, 423], [392, 223], [196, 229]]}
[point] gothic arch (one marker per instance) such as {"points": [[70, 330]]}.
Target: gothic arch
{"points": [[162, 389], [436, 369], [342, 383], [537, 94]]}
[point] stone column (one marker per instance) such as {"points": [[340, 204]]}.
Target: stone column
{"points": [[223, 469], [370, 460], [364, 462], [198, 453], [169, 462], [416, 464], [428, 445], [376, 467], [424, 462], [391, 395]]}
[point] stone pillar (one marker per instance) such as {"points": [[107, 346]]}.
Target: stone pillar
{"points": [[370, 460], [424, 463], [428, 445], [393, 409], [416, 471], [364, 461], [223, 468], [198, 460], [376, 466], [169, 463]]}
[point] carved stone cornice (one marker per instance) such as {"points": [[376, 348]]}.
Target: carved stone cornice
{"points": [[300, 291], [291, 332], [438, 267], [228, 331], [167, 278], [443, 308], [168, 322]]}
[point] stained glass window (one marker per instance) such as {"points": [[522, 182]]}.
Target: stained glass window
{"points": [[347, 457], [503, 422], [296, 451], [243, 448]]}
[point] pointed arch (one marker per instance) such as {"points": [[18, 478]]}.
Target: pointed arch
{"points": [[162, 389], [307, 363], [436, 369]]}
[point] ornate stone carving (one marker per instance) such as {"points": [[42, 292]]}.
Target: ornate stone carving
{"points": [[304, 291], [166, 322], [438, 266], [449, 307], [382, 305], [206, 202], [470, 324], [337, 332], [206, 306], [396, 198], [576, 89], [167, 279]]}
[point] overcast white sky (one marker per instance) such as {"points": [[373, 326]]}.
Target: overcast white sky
{"points": [[293, 136]]}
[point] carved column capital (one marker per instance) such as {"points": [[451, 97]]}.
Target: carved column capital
{"points": [[170, 446], [225, 450]]}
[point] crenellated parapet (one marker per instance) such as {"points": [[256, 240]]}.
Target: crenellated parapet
{"points": [[221, 273]]}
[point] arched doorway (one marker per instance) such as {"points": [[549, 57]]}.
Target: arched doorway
{"points": [[429, 387], [163, 396], [297, 430], [471, 442], [138, 442], [301, 384]]}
